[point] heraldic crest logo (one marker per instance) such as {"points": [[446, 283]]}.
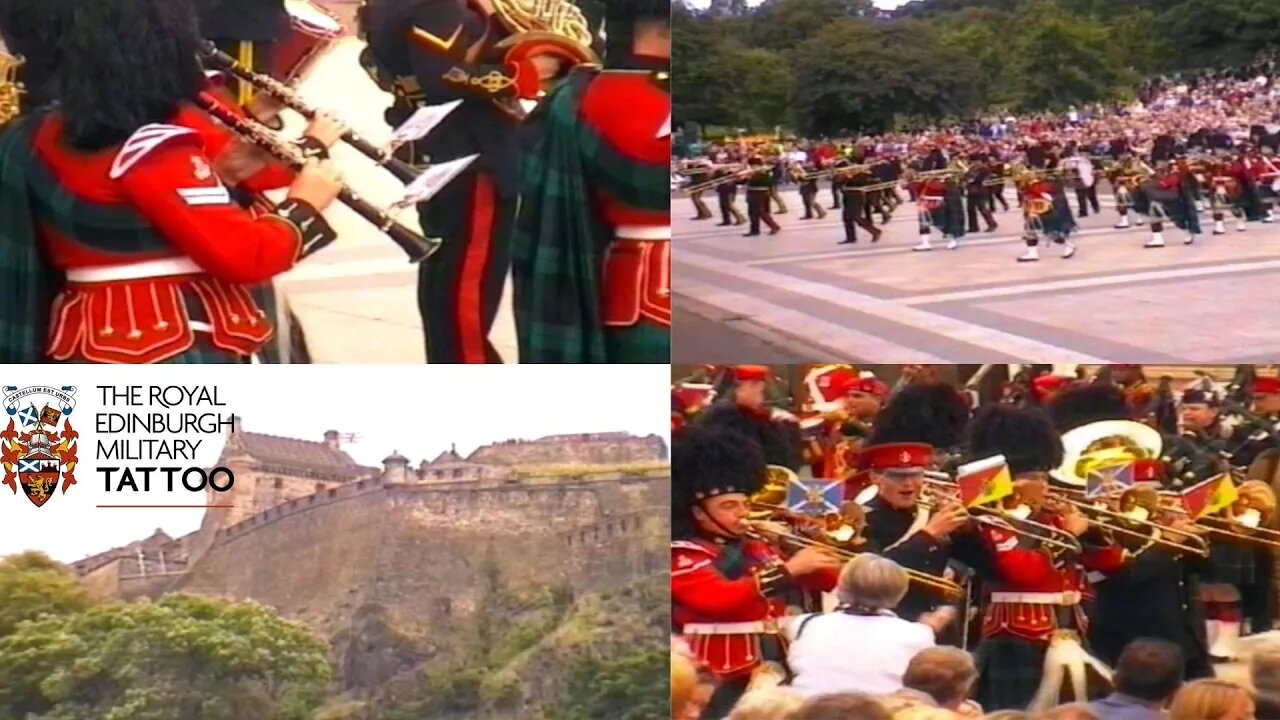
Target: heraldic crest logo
{"points": [[38, 448]]}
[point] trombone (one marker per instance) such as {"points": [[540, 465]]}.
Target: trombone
{"points": [[1194, 544], [1224, 527], [947, 589], [942, 489]]}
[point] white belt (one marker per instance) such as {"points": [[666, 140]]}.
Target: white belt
{"points": [[134, 271], [1071, 597], [931, 197], [643, 232], [740, 628]]}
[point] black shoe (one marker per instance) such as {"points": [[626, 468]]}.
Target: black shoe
{"points": [[807, 217], [751, 234], [847, 241], [775, 231], [725, 224]]}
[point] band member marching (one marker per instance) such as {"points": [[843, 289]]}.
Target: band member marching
{"points": [[853, 181], [760, 188], [916, 535], [1045, 212], [698, 171], [604, 207], [123, 240], [1034, 622], [429, 52], [728, 589], [740, 407], [806, 177], [727, 198], [978, 193]]}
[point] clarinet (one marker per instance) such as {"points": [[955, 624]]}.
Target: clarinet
{"points": [[417, 247]]}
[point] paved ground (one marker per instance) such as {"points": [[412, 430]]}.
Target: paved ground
{"points": [[357, 299], [1113, 302]]}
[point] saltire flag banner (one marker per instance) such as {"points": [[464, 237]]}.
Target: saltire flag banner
{"points": [[815, 496], [984, 481], [1110, 481], [1210, 496]]}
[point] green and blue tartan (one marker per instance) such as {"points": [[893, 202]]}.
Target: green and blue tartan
{"points": [[560, 241], [28, 281]]}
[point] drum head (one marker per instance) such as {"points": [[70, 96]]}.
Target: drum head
{"points": [[313, 19]]}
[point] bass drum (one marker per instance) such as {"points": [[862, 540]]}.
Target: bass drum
{"points": [[312, 31]]}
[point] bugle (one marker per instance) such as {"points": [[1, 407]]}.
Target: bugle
{"points": [[941, 586], [403, 171], [417, 247]]}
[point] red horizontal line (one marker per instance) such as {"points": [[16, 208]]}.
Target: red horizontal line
{"points": [[166, 506]]}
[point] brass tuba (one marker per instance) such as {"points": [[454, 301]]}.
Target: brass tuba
{"points": [[543, 27], [10, 88], [1103, 445]]}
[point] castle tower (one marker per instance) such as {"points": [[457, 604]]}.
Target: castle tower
{"points": [[395, 468]]}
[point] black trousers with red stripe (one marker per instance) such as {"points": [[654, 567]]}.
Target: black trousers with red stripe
{"points": [[460, 286]]}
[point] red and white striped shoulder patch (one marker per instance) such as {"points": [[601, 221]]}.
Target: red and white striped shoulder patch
{"points": [[146, 139]]}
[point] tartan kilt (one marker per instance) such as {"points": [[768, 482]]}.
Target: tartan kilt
{"points": [[646, 342], [1009, 672], [1231, 564], [1141, 202]]}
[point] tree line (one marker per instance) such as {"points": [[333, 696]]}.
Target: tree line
{"points": [[828, 67]]}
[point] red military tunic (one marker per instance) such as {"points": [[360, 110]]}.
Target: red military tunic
{"points": [[628, 112], [142, 303], [1030, 586], [727, 622]]}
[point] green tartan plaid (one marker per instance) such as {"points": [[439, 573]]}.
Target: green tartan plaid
{"points": [[642, 343], [560, 242], [1009, 672], [27, 282]]}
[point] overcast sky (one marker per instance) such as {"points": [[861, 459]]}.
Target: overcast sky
{"points": [[416, 410]]}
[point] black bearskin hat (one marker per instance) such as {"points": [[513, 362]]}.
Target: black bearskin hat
{"points": [[1084, 404], [706, 462], [933, 413], [1024, 435], [31, 29], [122, 64]]}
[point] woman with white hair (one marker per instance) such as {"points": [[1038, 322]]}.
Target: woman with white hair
{"points": [[862, 646]]}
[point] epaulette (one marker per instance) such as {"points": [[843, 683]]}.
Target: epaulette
{"points": [[142, 142]]}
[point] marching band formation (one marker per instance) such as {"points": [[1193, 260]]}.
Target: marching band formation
{"points": [[1209, 150], [1044, 525], [139, 138]]}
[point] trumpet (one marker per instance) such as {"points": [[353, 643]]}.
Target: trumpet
{"points": [[941, 490], [947, 589], [417, 247], [403, 171]]}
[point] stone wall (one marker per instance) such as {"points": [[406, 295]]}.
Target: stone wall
{"points": [[422, 551], [584, 449]]}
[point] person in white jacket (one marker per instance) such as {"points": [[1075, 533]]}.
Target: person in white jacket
{"points": [[861, 646]]}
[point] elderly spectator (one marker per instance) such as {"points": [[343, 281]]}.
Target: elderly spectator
{"points": [[1147, 675], [775, 703], [842, 706], [861, 646], [1211, 700]]}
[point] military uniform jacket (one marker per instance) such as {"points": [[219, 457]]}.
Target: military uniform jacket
{"points": [[1153, 595], [437, 51], [898, 535]]}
